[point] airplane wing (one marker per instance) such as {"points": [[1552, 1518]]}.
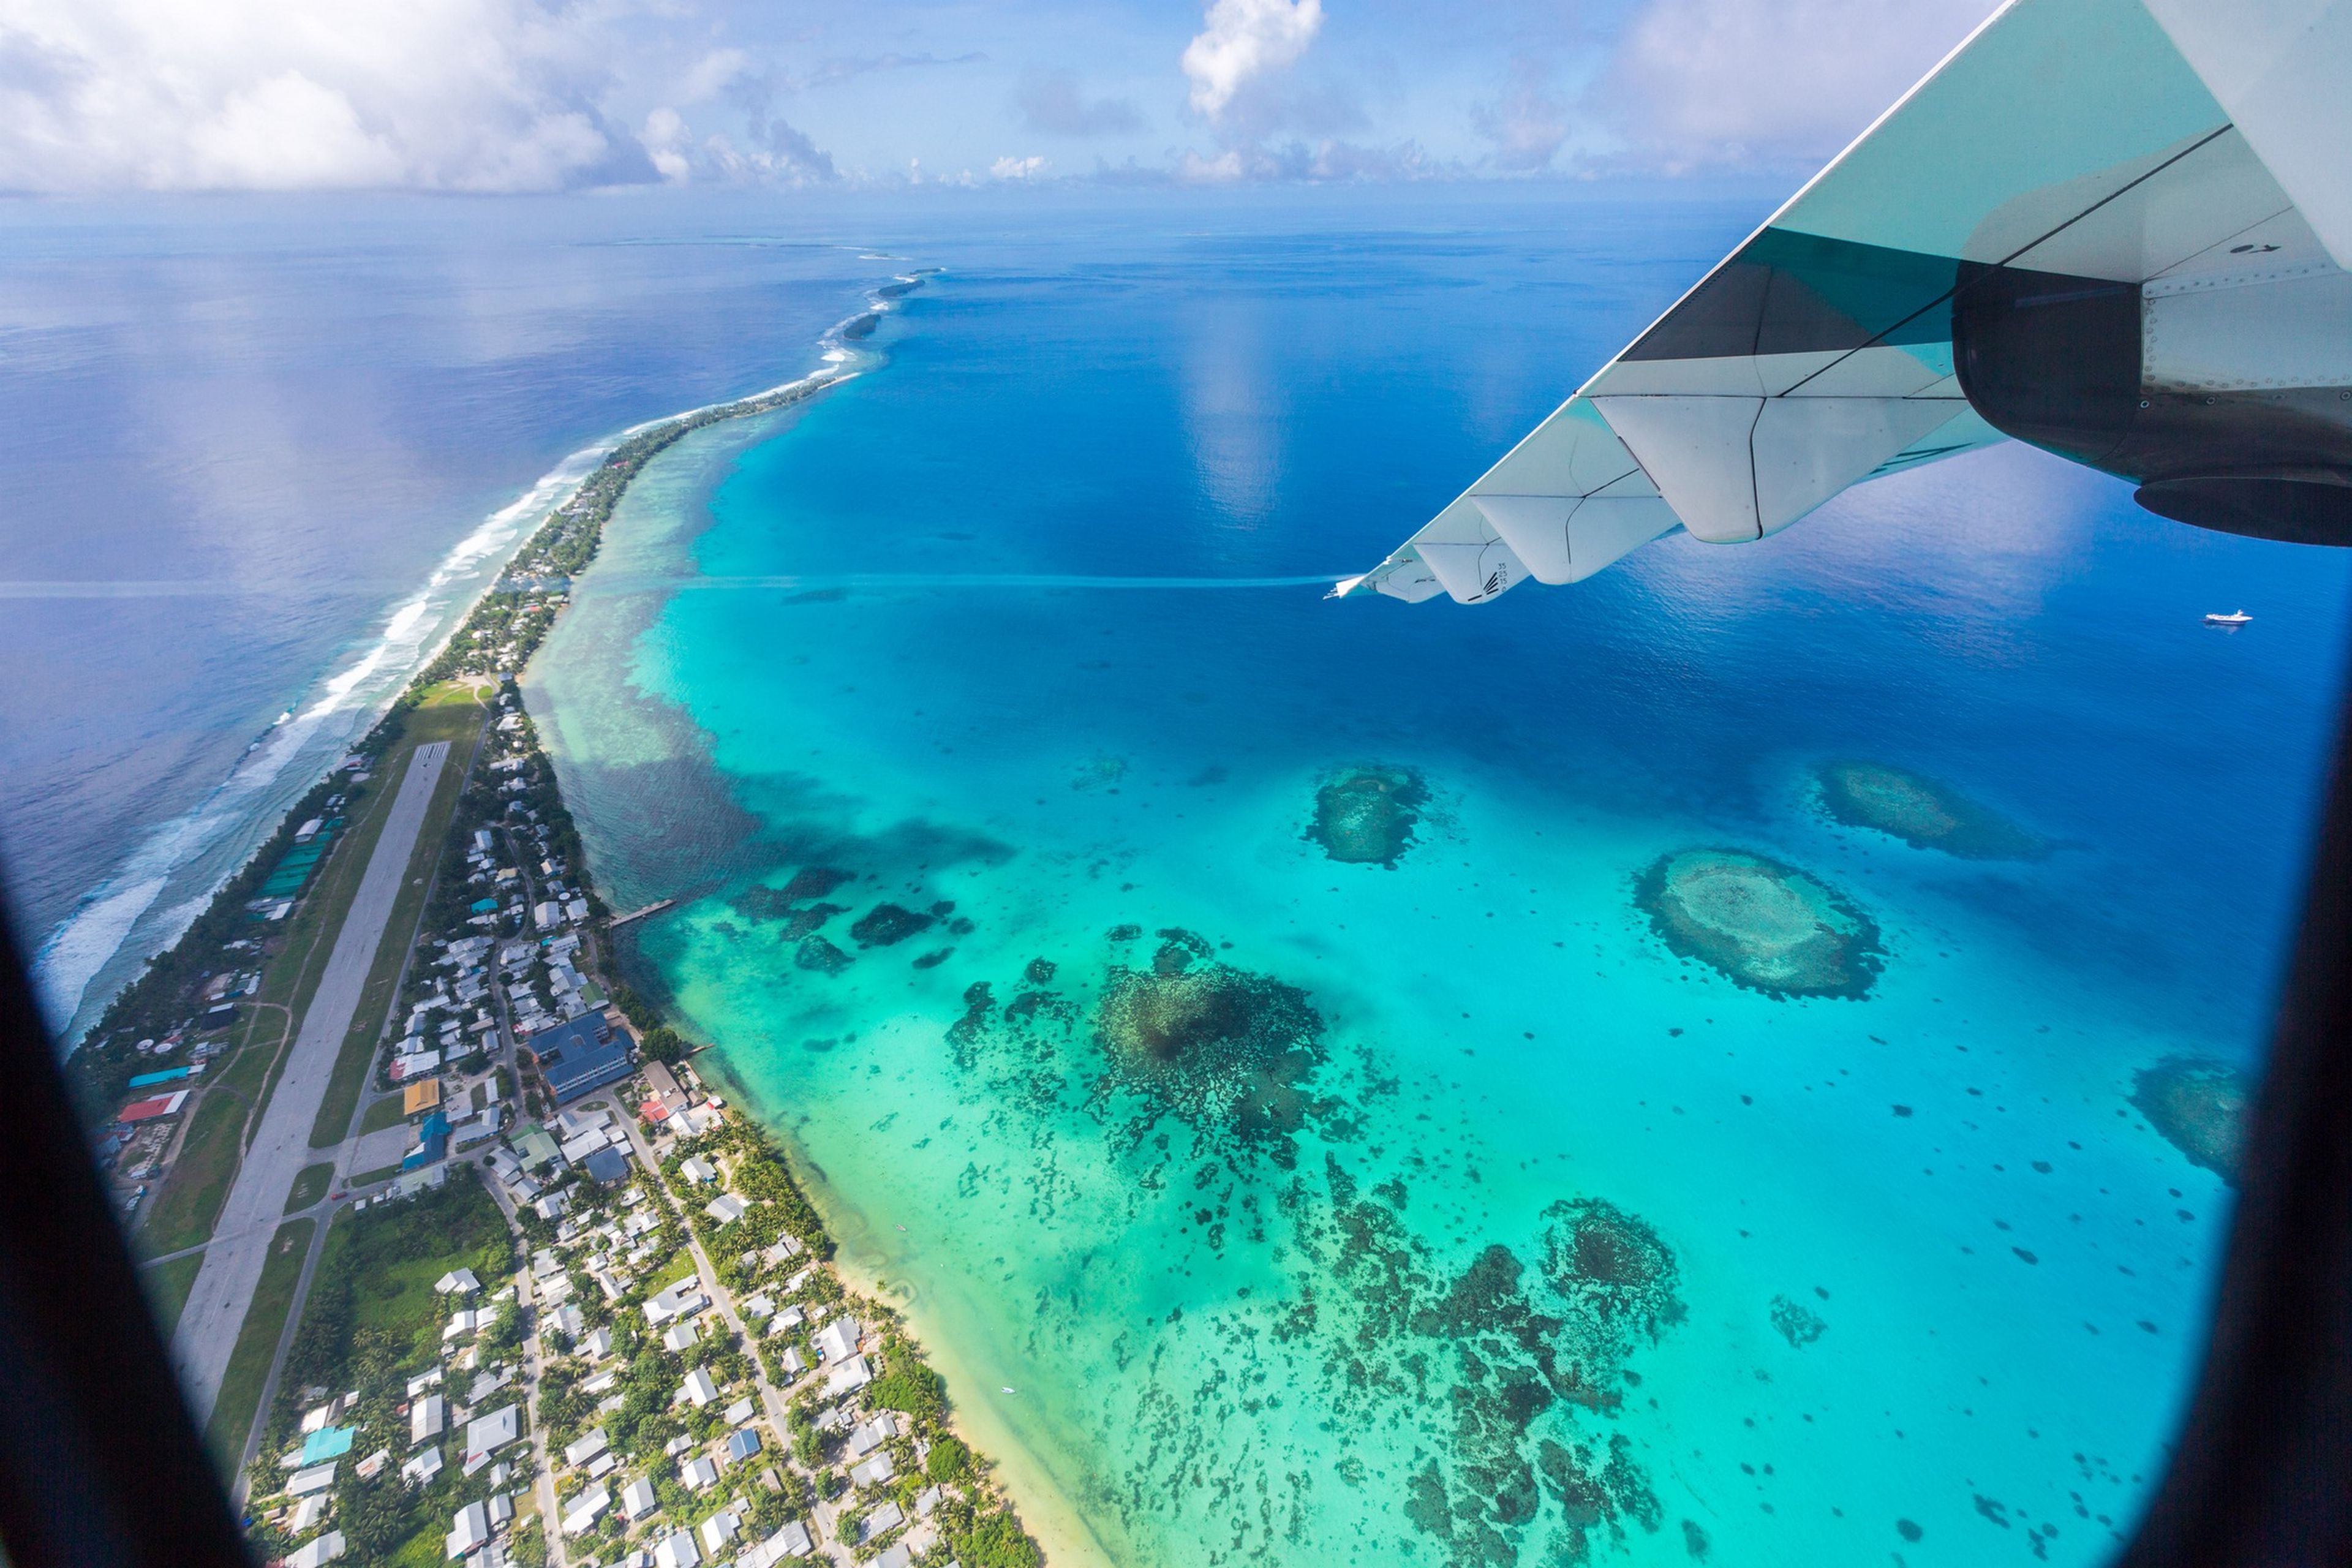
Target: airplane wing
{"points": [[2167, 145]]}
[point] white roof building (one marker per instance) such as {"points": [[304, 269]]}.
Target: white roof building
{"points": [[586, 1509], [421, 1469], [318, 1553], [873, 1434], [459, 1281], [486, 1434], [317, 1478], [848, 1377], [719, 1529], [873, 1472], [682, 1300], [700, 1388], [679, 1335], [697, 1473], [838, 1338], [677, 1550], [470, 1531], [426, 1419], [726, 1208], [586, 1447], [695, 1168], [639, 1500]]}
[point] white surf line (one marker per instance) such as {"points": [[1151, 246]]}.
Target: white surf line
{"points": [[81, 946]]}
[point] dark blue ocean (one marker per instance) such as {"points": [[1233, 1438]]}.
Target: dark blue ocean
{"points": [[251, 440]]}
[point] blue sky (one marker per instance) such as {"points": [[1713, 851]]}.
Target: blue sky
{"points": [[515, 95]]}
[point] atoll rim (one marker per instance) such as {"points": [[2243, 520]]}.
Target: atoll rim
{"points": [[1366, 816], [1767, 926], [1922, 812]]}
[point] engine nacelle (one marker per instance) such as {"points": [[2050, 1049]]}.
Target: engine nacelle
{"points": [[2227, 399]]}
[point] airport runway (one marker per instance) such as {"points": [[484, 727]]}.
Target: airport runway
{"points": [[281, 1148]]}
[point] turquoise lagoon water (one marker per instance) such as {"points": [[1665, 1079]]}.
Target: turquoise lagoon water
{"points": [[1503, 1234]]}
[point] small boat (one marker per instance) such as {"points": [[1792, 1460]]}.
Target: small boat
{"points": [[1008, 1388], [2234, 618]]}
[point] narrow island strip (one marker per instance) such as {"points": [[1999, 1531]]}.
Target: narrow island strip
{"points": [[560, 1304]]}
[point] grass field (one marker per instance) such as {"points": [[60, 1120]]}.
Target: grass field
{"points": [[677, 1269], [449, 712], [167, 1286], [256, 1344], [381, 1113], [370, 1178], [189, 1200], [310, 1185]]}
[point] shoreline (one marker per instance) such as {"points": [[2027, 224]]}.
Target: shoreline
{"points": [[592, 499], [1044, 1506], [548, 498]]}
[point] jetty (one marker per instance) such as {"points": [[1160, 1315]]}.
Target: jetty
{"points": [[657, 907]]}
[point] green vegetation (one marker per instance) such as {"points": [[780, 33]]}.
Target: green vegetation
{"points": [[382, 1112], [377, 1272], [167, 1286], [370, 1178], [190, 1199], [948, 1458], [309, 1186], [257, 1343], [663, 1044], [995, 1540], [909, 1385], [372, 1320]]}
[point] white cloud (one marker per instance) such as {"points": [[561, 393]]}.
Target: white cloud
{"points": [[476, 95], [665, 137], [1240, 40], [713, 74], [1698, 83], [1526, 125], [1009, 168]]}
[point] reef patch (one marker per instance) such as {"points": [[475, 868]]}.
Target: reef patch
{"points": [[1227, 1051], [805, 923], [816, 954], [1922, 812], [886, 925], [1796, 1323], [2200, 1108], [1366, 816], [1765, 926]]}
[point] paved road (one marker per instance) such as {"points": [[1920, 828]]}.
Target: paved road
{"points": [[281, 1148]]}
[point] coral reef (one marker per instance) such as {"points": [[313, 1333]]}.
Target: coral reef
{"points": [[886, 925], [1922, 812], [1366, 816], [2200, 1106], [1798, 1323], [1768, 926], [1228, 1051]]}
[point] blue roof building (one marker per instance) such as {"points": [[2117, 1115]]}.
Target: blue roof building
{"points": [[432, 1144], [582, 1055], [742, 1446]]}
